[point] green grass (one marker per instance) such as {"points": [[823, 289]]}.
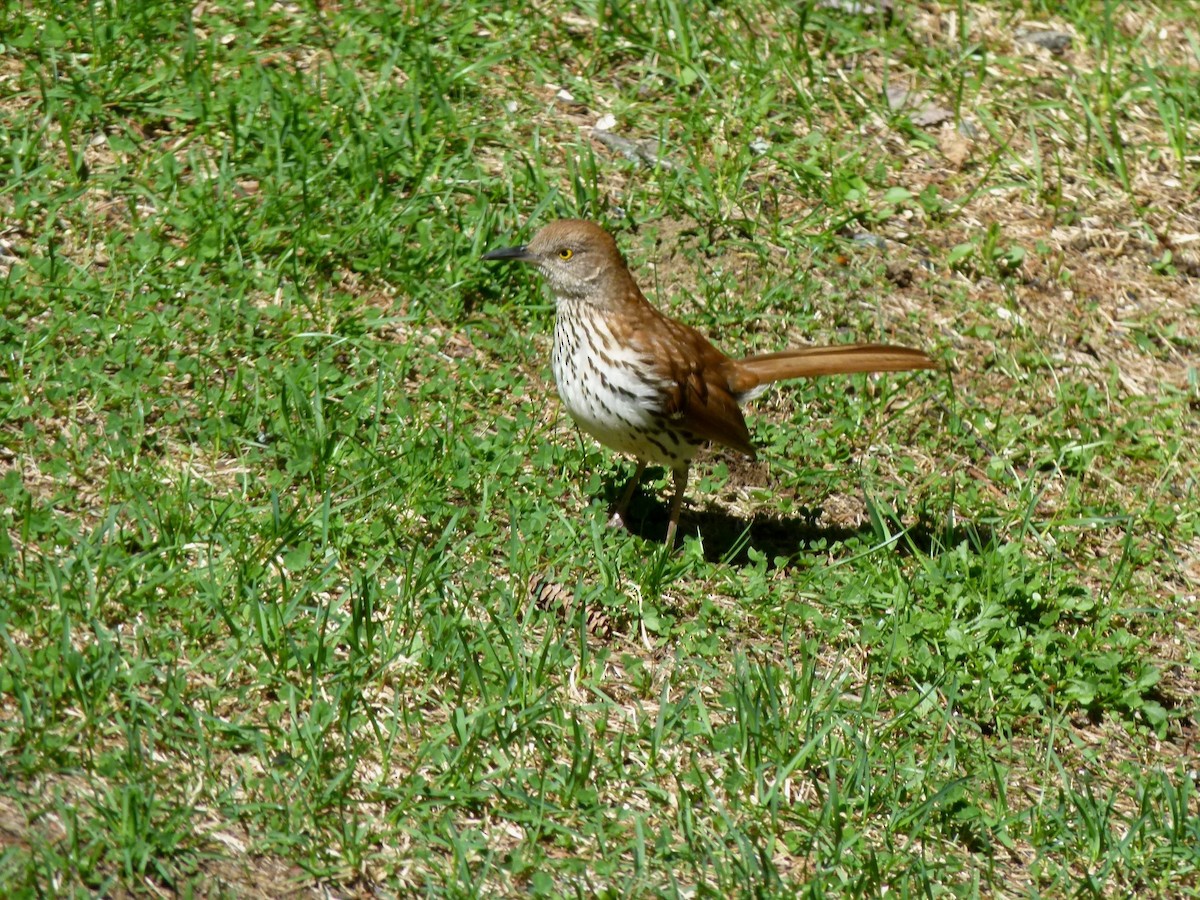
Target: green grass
{"points": [[304, 579]]}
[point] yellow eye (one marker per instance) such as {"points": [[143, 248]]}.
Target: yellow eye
{"points": [[566, 253]]}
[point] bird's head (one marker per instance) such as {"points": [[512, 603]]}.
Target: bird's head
{"points": [[578, 259]]}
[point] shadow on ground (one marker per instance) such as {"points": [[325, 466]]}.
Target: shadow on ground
{"points": [[729, 538]]}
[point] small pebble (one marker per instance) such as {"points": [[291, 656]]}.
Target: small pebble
{"points": [[1054, 41]]}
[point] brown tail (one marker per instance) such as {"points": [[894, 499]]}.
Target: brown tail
{"points": [[808, 362]]}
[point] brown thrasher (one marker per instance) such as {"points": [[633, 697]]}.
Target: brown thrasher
{"points": [[644, 384]]}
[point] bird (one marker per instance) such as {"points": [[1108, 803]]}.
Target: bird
{"points": [[650, 386]]}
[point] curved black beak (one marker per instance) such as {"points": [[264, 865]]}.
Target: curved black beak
{"points": [[504, 254]]}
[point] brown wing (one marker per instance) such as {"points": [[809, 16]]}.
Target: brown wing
{"points": [[700, 399], [708, 410]]}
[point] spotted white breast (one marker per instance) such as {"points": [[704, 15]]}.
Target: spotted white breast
{"points": [[609, 390]]}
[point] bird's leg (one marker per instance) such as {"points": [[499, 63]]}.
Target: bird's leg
{"points": [[622, 508], [680, 477]]}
